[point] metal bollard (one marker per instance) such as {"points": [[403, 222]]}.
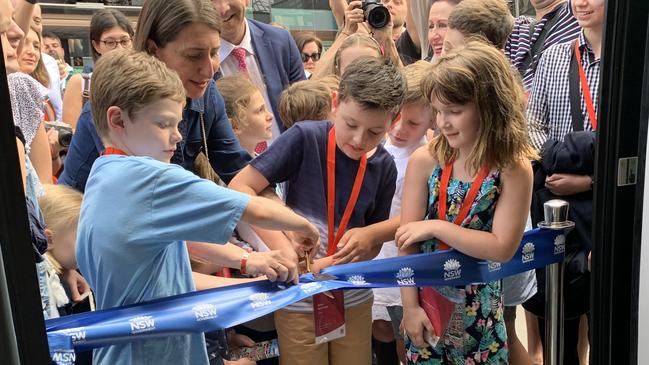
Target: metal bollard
{"points": [[556, 217]]}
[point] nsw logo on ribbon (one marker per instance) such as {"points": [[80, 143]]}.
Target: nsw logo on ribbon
{"points": [[357, 279], [78, 334], [204, 311], [528, 252], [309, 288], [452, 269], [405, 276], [142, 324], [494, 266], [64, 357], [259, 300]]}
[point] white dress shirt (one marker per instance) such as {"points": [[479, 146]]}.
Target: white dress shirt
{"points": [[230, 66]]}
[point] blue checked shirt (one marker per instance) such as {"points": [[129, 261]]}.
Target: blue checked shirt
{"points": [[548, 111]]}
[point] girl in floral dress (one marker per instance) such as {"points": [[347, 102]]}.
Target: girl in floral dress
{"points": [[482, 141]]}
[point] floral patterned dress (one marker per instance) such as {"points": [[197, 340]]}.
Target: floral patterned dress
{"points": [[476, 333]]}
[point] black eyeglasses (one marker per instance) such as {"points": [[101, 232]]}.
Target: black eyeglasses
{"points": [[314, 56], [111, 43]]}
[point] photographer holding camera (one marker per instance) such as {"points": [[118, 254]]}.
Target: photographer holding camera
{"points": [[368, 17], [59, 135]]}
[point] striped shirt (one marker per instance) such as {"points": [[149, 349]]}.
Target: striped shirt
{"points": [[548, 111], [520, 43]]}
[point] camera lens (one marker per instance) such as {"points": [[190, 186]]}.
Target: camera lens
{"points": [[65, 137], [377, 15]]}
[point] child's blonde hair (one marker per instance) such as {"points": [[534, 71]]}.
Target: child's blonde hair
{"points": [[415, 74], [359, 40], [479, 73], [60, 206], [304, 100], [236, 91], [130, 80]]}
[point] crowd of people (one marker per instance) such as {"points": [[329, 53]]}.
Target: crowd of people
{"points": [[208, 149]]}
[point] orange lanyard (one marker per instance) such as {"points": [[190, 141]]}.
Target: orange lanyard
{"points": [[585, 89], [113, 151], [468, 200], [331, 194]]}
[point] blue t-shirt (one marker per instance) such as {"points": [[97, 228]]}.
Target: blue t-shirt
{"points": [[299, 157], [135, 216]]}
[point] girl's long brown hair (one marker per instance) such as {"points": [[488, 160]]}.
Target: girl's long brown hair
{"points": [[480, 73]]}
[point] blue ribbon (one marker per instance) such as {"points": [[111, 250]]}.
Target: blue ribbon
{"points": [[226, 307]]}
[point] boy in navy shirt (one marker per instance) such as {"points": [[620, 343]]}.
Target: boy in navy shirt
{"points": [[138, 208], [317, 157]]}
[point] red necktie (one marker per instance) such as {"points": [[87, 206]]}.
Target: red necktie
{"points": [[240, 55], [261, 147]]}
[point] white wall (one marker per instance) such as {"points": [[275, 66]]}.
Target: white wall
{"points": [[643, 300]]}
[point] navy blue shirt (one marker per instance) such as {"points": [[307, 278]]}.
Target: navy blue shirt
{"points": [[226, 155], [299, 157]]}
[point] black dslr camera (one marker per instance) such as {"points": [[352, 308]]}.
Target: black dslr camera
{"points": [[375, 13], [65, 132]]}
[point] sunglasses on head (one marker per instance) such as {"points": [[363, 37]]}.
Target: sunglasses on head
{"points": [[315, 57]]}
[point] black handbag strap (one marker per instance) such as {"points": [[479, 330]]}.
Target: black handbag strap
{"points": [[575, 93], [540, 41]]}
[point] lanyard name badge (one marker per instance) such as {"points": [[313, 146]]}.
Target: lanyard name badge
{"points": [[440, 311], [329, 312]]}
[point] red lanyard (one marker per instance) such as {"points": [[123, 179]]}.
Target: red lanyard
{"points": [[585, 89], [113, 151], [468, 199], [331, 194]]}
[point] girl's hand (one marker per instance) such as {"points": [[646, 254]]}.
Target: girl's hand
{"points": [[414, 232], [353, 17], [414, 323]]}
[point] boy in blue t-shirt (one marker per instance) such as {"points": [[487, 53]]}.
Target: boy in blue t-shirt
{"points": [[370, 95], [138, 208]]}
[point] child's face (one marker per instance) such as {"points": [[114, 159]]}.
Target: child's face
{"points": [[153, 130], [62, 246], [358, 130], [459, 124], [258, 123], [412, 126]]}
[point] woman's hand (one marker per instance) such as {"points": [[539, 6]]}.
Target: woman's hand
{"points": [[383, 35], [353, 17], [414, 232], [414, 323], [273, 264]]}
